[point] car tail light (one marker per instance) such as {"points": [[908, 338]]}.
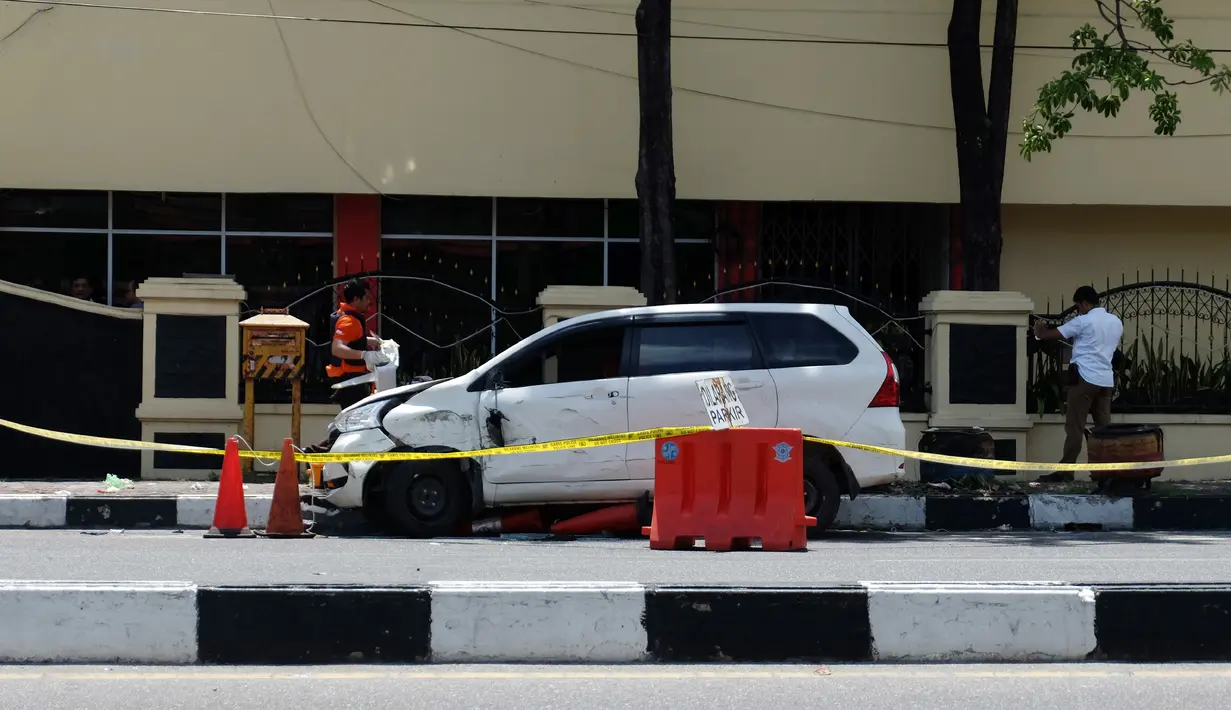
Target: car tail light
{"points": [[887, 396]]}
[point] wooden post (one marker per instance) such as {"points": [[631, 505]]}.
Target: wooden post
{"points": [[249, 419], [274, 349], [296, 392]]}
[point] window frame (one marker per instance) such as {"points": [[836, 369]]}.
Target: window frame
{"points": [[640, 323], [489, 378], [765, 351]]}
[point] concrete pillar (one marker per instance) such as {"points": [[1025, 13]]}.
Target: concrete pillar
{"points": [[564, 302], [190, 372], [976, 364]]}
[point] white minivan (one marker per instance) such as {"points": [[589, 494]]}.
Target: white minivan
{"points": [[804, 366]]}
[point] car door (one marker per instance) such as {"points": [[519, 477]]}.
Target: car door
{"points": [[823, 384], [570, 386], [669, 354]]}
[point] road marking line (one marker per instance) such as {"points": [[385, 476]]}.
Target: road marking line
{"points": [[813, 673]]}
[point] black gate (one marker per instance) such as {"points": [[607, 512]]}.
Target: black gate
{"points": [[1174, 357]]}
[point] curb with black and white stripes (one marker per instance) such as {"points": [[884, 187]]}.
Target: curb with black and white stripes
{"points": [[867, 512], [595, 622]]}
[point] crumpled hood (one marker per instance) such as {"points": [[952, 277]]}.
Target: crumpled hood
{"points": [[403, 392]]}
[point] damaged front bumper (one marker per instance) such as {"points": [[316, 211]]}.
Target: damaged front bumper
{"points": [[344, 481]]}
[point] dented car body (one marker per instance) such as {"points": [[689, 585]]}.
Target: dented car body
{"points": [[805, 366]]}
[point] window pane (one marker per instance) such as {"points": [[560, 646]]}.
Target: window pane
{"points": [[694, 269], [435, 311], [524, 269], [593, 354], [280, 213], [172, 211], [276, 271], [53, 261], [669, 349], [693, 219], [140, 256], [463, 216], [800, 340], [534, 217], [53, 208]]}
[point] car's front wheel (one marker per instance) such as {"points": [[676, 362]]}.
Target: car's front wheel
{"points": [[821, 494], [426, 498]]}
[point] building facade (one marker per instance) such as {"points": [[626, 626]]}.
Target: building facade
{"points": [[490, 147]]}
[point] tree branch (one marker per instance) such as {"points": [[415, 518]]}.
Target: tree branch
{"points": [[1125, 67]]}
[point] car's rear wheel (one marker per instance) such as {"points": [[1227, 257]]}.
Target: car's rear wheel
{"points": [[821, 493], [426, 498]]}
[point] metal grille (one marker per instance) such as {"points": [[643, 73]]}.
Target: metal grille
{"points": [[1175, 356], [876, 259]]}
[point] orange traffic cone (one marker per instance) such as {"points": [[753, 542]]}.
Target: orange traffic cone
{"points": [[230, 516], [527, 521], [285, 515], [617, 518]]}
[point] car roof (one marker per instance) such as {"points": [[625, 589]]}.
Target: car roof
{"points": [[711, 308], [842, 312]]}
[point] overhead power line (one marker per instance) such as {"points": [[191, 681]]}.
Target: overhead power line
{"points": [[527, 30]]}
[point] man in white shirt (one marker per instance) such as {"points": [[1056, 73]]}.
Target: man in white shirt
{"points": [[1095, 335]]}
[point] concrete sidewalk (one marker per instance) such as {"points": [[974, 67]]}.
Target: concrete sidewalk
{"points": [[609, 622]]}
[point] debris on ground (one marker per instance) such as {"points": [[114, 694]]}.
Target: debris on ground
{"points": [[114, 483]]}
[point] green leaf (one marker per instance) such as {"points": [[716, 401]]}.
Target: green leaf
{"points": [[1107, 69]]}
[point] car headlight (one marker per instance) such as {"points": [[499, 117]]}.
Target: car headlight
{"points": [[360, 418]]}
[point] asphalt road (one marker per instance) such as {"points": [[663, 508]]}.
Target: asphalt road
{"points": [[1077, 687], [853, 557]]}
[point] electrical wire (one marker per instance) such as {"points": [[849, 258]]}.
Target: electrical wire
{"points": [[307, 106], [527, 30], [743, 28], [397, 277], [830, 289], [681, 89], [26, 21], [472, 31]]}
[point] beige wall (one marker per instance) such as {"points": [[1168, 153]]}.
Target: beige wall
{"points": [[104, 98], [1050, 250], [273, 424]]}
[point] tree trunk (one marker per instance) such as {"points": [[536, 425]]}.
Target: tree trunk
{"points": [[982, 133], [656, 153]]}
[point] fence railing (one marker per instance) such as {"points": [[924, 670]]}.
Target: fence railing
{"points": [[447, 354], [1175, 356]]}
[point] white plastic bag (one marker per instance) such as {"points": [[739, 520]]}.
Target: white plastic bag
{"points": [[385, 376]]}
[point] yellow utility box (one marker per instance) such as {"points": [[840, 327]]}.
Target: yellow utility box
{"points": [[274, 348]]}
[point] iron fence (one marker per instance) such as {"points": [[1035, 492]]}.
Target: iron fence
{"points": [[1174, 356]]}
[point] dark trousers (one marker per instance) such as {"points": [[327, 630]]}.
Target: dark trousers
{"points": [[346, 396], [1084, 400], [343, 397]]}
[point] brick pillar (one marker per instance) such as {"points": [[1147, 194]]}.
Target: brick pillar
{"points": [[356, 242]]}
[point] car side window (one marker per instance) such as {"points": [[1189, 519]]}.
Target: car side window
{"points": [[588, 354], [695, 347], [800, 340]]}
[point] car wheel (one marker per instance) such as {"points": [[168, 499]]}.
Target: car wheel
{"points": [[426, 499], [821, 494]]}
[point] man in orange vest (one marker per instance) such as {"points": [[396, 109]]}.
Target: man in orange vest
{"points": [[353, 349]]}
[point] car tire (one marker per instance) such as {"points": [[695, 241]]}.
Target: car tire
{"points": [[426, 498], [822, 496]]}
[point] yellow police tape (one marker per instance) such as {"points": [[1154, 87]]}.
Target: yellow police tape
{"points": [[562, 445], [605, 440]]}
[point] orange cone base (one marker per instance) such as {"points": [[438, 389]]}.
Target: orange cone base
{"points": [[285, 513], [617, 518], [527, 521], [216, 533], [277, 536]]}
